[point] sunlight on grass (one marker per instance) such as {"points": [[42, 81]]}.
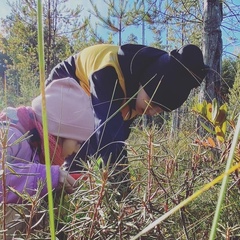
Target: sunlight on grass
{"points": [[223, 177]]}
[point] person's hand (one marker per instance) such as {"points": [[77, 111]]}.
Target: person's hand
{"points": [[66, 181]]}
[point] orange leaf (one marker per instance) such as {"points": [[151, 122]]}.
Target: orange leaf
{"points": [[205, 144], [211, 142]]}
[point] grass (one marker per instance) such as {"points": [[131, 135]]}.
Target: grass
{"points": [[165, 171]]}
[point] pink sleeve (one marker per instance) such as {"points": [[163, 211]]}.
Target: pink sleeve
{"points": [[22, 173]]}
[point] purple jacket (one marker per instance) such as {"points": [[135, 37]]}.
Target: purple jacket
{"points": [[22, 169]]}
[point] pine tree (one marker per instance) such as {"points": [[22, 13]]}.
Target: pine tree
{"points": [[20, 45]]}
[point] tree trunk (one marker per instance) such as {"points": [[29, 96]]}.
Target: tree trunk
{"points": [[175, 122], [212, 49]]}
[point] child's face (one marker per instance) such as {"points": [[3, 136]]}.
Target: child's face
{"points": [[69, 146], [145, 106]]}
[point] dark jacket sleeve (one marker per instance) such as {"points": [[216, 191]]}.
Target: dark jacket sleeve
{"points": [[111, 130]]}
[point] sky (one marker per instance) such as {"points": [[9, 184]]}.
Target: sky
{"points": [[5, 9]]}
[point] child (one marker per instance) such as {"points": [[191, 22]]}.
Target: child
{"points": [[68, 125], [124, 82]]}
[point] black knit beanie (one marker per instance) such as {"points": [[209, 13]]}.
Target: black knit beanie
{"points": [[171, 77]]}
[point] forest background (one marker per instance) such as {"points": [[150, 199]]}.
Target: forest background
{"points": [[173, 156]]}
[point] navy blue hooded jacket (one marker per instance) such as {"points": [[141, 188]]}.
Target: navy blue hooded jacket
{"points": [[112, 75]]}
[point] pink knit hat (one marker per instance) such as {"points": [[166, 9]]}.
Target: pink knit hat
{"points": [[69, 110]]}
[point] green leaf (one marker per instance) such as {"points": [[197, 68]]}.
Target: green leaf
{"points": [[224, 127], [204, 108], [207, 128], [201, 108], [219, 134], [214, 110], [209, 112]]}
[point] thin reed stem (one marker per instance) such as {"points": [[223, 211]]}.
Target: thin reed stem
{"points": [[101, 195], [149, 159], [44, 119]]}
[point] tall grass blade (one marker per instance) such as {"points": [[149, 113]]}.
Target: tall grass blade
{"points": [[225, 182], [44, 118]]}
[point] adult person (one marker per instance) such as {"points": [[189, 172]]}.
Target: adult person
{"points": [[124, 82]]}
